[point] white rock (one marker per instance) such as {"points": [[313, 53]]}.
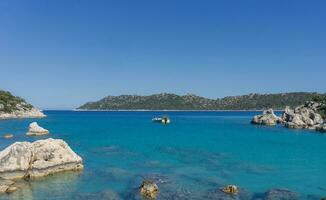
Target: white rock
{"points": [[34, 130], [304, 116], [267, 118], [37, 159], [33, 113]]}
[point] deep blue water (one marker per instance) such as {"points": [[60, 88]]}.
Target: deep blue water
{"points": [[197, 152]]}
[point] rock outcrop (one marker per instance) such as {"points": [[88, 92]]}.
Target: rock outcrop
{"points": [[267, 118], [23, 113], [321, 128], [37, 159], [35, 130], [305, 116]]}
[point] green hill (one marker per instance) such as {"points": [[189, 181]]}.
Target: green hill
{"points": [[168, 101], [10, 103]]}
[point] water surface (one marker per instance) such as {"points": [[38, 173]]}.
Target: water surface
{"points": [[196, 153]]}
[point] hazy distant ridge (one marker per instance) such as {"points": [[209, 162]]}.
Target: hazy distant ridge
{"points": [[168, 101]]}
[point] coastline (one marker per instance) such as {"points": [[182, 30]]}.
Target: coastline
{"points": [[146, 110], [22, 114]]}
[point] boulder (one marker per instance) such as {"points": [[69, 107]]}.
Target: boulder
{"points": [[281, 194], [305, 116], [296, 122], [267, 118], [35, 130], [230, 189], [149, 189], [37, 159]]}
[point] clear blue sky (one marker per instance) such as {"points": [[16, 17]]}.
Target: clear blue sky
{"points": [[60, 54]]}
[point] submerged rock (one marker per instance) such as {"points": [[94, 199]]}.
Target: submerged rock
{"points": [[219, 194], [230, 189], [35, 130], [8, 135], [37, 159], [267, 118], [6, 186], [105, 195], [168, 189], [149, 189], [281, 194]]}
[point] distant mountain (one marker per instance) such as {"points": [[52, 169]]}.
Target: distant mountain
{"points": [[167, 101], [15, 107]]}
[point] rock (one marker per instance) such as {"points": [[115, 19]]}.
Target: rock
{"points": [[6, 186], [35, 130], [22, 113], [267, 118], [8, 136], [305, 116], [281, 194], [37, 159], [230, 189], [11, 189], [296, 123], [321, 128], [149, 189]]}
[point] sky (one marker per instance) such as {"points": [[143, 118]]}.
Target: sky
{"points": [[59, 54]]}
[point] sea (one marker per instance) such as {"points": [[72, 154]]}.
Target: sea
{"points": [[194, 156]]}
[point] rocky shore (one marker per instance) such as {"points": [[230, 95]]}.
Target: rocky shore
{"points": [[267, 118], [306, 116], [23, 113], [25, 160]]}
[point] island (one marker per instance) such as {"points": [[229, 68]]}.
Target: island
{"points": [[16, 107], [169, 101]]}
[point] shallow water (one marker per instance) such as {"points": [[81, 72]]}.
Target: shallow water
{"points": [[197, 153]]}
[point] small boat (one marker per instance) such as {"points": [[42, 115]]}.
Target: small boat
{"points": [[163, 120]]}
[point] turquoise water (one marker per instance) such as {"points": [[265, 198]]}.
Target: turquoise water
{"points": [[197, 153]]}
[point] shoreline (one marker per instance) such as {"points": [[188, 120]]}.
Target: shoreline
{"points": [[146, 110]]}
